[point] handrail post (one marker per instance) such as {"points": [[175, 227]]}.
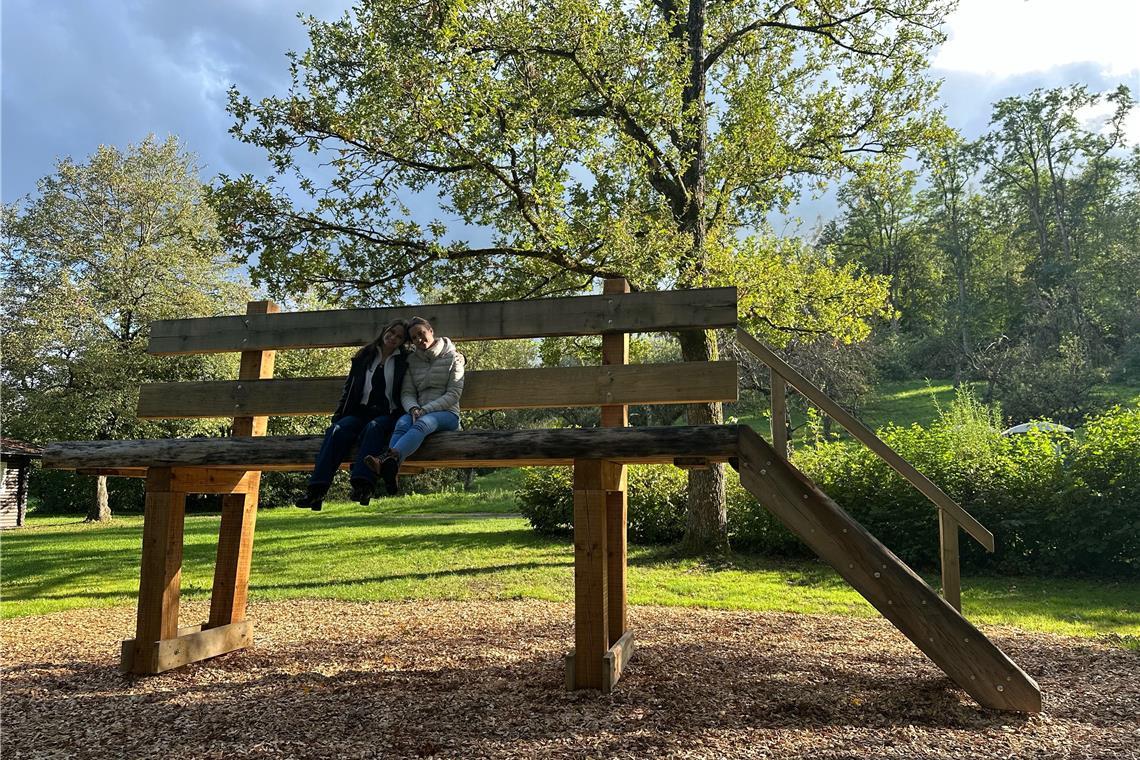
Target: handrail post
{"points": [[951, 571], [779, 413], [862, 433]]}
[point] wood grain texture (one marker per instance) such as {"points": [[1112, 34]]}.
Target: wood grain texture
{"points": [[193, 645], [534, 388], [615, 352], [779, 413], [868, 438], [948, 552], [591, 618], [197, 480], [255, 365], [465, 448], [230, 592], [896, 591], [615, 481], [618, 656], [579, 315], [160, 573]]}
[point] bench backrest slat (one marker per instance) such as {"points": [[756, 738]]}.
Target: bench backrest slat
{"points": [[551, 317], [683, 383]]}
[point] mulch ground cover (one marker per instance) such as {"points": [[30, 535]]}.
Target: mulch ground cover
{"points": [[484, 679]]}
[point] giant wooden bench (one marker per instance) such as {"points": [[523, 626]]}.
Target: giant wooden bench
{"points": [[603, 644]]}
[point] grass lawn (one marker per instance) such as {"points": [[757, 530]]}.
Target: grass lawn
{"points": [[403, 551]]}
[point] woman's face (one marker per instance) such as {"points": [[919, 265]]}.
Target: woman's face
{"points": [[394, 337], [422, 336]]}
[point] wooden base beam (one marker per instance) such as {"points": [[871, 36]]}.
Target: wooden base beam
{"points": [[193, 644], [613, 663]]}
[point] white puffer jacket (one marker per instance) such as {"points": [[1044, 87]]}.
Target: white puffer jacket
{"points": [[435, 378]]}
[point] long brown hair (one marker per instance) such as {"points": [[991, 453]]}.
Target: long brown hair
{"points": [[380, 337]]}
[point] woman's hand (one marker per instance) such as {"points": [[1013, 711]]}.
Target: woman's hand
{"points": [[416, 413]]}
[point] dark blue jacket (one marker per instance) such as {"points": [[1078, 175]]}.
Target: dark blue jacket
{"points": [[350, 403]]}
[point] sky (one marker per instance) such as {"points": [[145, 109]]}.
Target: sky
{"points": [[75, 74]]}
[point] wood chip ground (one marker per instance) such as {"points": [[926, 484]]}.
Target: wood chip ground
{"points": [[484, 679]]}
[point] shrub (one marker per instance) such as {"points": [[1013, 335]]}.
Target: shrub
{"points": [[1097, 522], [657, 497], [1054, 505]]}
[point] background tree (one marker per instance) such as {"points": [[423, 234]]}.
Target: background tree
{"points": [[1017, 261], [103, 248], [1064, 182], [567, 141]]}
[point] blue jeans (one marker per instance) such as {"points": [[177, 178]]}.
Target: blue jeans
{"points": [[373, 436], [408, 435]]}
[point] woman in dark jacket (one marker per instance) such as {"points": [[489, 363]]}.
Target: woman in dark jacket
{"points": [[367, 412]]}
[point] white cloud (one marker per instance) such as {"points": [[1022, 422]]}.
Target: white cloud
{"points": [[1004, 38]]}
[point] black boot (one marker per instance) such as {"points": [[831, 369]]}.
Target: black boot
{"points": [[361, 491], [389, 468], [314, 498]]}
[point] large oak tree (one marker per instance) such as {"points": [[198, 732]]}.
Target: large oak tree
{"points": [[562, 141]]}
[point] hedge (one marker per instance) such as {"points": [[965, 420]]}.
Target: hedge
{"points": [[1056, 505]]}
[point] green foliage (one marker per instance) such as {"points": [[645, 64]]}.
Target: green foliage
{"points": [[577, 138], [657, 497], [103, 249], [1056, 382], [1032, 491], [1098, 517]]}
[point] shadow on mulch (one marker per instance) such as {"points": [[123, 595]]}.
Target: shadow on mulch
{"points": [[702, 683]]}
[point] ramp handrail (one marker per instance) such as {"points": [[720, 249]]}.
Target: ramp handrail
{"points": [[951, 514]]}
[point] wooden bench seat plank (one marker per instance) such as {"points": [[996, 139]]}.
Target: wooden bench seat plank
{"points": [[468, 448], [550, 317], [543, 387]]}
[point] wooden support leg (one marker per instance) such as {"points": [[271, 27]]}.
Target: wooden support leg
{"points": [[591, 612], [602, 646], [235, 552], [616, 513], [161, 574]]}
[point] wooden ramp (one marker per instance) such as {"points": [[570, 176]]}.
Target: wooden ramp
{"points": [[940, 631]]}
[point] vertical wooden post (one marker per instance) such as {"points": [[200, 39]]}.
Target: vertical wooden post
{"points": [[615, 350], [239, 510], [779, 413], [951, 572], [591, 606], [160, 576]]}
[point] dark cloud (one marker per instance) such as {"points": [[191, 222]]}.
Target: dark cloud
{"points": [[80, 74]]}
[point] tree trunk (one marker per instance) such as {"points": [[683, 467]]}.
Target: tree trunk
{"points": [[706, 530], [101, 509], [469, 479]]}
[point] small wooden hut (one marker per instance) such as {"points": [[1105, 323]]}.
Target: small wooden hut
{"points": [[15, 467]]}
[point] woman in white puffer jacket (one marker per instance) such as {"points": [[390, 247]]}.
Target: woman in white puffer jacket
{"points": [[430, 394]]}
